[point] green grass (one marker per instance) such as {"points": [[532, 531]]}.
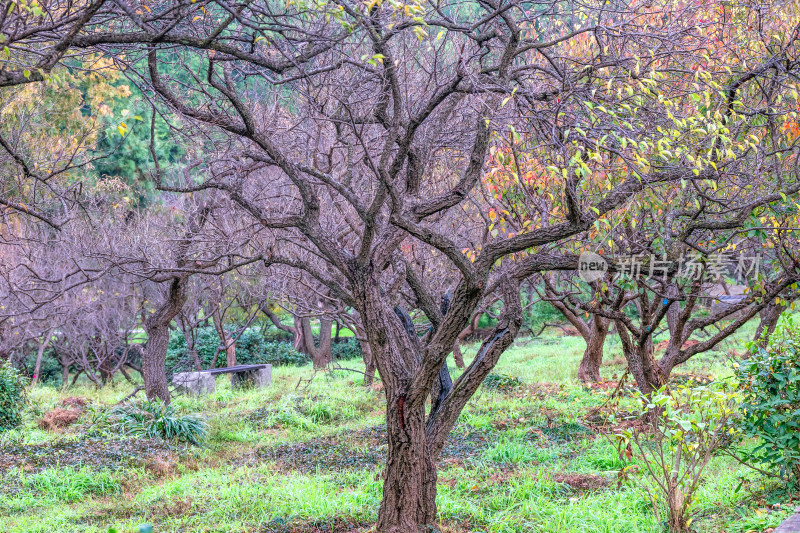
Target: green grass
{"points": [[302, 454]]}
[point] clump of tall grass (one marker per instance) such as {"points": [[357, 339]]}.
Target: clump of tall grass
{"points": [[150, 420]]}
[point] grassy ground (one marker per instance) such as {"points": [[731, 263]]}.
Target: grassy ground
{"points": [[309, 458]]}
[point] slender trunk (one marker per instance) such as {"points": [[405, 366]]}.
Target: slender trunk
{"points": [[769, 320], [369, 362], [153, 364], [64, 376], [466, 332], [126, 375], [230, 353], [589, 368], [458, 357], [191, 343], [409, 488], [38, 366], [299, 336], [198, 364], [228, 344]]}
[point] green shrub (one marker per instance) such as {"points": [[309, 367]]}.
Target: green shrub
{"points": [[770, 386], [501, 382], [50, 370], [539, 313], [12, 397], [150, 420], [689, 426], [283, 354], [178, 358], [346, 349], [251, 349]]}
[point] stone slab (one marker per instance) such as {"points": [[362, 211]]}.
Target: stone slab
{"points": [[195, 383], [261, 377], [790, 525]]}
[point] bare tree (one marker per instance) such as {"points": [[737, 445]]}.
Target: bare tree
{"points": [[349, 132]]}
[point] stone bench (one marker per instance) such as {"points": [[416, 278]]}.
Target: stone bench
{"points": [[202, 381], [791, 524]]}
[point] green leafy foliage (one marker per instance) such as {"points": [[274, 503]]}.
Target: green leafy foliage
{"points": [[688, 426], [501, 382], [770, 385], [150, 420], [346, 350], [537, 314], [50, 370], [12, 397], [251, 348], [73, 484]]}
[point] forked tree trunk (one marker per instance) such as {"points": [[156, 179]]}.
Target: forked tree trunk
{"points": [[641, 362], [589, 368], [321, 355]]}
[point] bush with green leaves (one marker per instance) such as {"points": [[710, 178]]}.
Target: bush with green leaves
{"points": [[769, 381], [501, 382], [688, 425], [346, 349], [283, 354], [12, 397], [251, 349], [50, 370], [149, 420]]}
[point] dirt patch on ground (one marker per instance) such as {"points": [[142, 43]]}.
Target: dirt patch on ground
{"points": [[322, 454], [337, 525], [176, 507], [366, 449], [92, 453], [582, 482], [342, 525], [162, 465]]}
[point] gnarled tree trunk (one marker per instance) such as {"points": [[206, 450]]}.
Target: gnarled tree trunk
{"points": [[409, 487], [155, 351], [641, 362], [154, 361], [589, 368]]}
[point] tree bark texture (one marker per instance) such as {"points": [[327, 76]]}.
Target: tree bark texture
{"points": [[155, 351], [589, 368]]}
